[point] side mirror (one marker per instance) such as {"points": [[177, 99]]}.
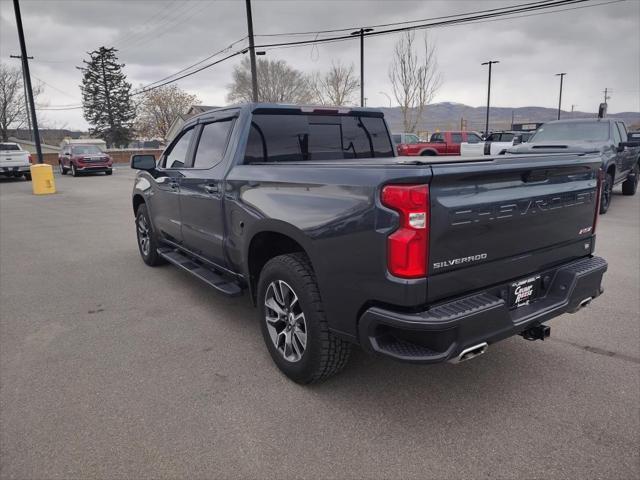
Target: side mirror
{"points": [[143, 162]]}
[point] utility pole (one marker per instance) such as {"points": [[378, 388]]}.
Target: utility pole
{"points": [[27, 77], [361, 32], [573, 106], [252, 53], [561, 75], [606, 97], [490, 62], [26, 97]]}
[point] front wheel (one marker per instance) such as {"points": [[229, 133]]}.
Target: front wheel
{"points": [[293, 321], [108, 172], [607, 190], [74, 170], [630, 185], [63, 171], [147, 241]]}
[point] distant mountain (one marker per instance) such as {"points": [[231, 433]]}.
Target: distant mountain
{"points": [[449, 116]]}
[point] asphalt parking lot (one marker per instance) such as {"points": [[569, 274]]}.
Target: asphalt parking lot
{"points": [[112, 369]]}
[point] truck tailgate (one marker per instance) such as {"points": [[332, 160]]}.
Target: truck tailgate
{"points": [[14, 158], [508, 217]]}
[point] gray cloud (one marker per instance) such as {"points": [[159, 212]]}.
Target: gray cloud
{"points": [[598, 47]]}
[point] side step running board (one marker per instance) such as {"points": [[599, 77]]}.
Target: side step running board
{"points": [[205, 274]]}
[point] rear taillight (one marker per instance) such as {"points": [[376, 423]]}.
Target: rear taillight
{"points": [[402, 149], [600, 175], [408, 246], [30, 159]]}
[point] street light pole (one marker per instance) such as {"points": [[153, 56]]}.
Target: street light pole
{"points": [[388, 97], [361, 32], [252, 53], [561, 75], [486, 127], [27, 78]]}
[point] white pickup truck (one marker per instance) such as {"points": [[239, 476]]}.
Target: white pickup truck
{"points": [[496, 143], [14, 162]]}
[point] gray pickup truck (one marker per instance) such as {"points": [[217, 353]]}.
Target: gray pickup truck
{"points": [[339, 242], [608, 138]]}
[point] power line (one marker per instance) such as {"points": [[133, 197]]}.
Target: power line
{"points": [[171, 24], [226, 49], [540, 2], [468, 18], [144, 90], [455, 21]]}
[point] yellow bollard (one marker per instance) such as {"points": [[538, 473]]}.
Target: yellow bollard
{"points": [[42, 179]]}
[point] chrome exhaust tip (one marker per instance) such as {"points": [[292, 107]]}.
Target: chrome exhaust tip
{"points": [[471, 352], [585, 302]]}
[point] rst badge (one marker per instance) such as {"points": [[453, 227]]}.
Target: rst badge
{"points": [[523, 292]]}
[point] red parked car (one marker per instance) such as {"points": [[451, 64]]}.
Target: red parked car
{"points": [[441, 143], [84, 159]]}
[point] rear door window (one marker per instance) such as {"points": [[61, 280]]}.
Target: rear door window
{"points": [[212, 144], [616, 135], [623, 131]]}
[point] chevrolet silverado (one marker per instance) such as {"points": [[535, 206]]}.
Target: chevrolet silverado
{"points": [[339, 242]]}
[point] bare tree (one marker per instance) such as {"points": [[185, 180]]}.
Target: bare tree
{"points": [[336, 87], [277, 83], [159, 108], [414, 78], [13, 110]]}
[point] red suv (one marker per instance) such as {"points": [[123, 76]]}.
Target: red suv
{"points": [[84, 159]]}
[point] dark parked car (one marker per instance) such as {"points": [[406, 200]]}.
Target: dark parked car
{"points": [[339, 242], [84, 159], [619, 151]]}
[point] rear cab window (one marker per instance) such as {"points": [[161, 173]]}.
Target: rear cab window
{"points": [[300, 137], [8, 147]]}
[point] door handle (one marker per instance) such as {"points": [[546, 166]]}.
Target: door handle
{"points": [[173, 185], [211, 188]]}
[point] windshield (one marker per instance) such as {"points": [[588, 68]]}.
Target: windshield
{"points": [[86, 150], [572, 131]]}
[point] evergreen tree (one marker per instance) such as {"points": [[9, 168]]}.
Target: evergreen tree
{"points": [[106, 98]]}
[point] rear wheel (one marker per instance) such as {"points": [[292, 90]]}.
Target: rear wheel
{"points": [[147, 241], [293, 321], [630, 185], [428, 153], [27, 177], [607, 190]]}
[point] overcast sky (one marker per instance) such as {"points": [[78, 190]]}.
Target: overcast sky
{"points": [[598, 47]]}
